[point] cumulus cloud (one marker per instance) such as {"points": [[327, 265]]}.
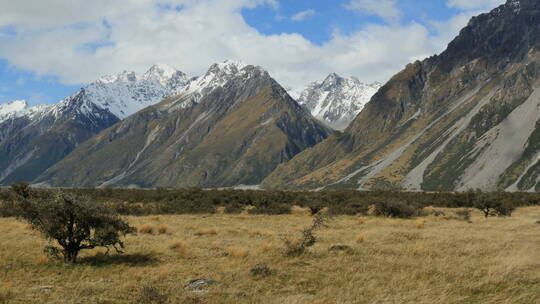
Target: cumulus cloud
{"points": [[474, 4], [79, 40], [303, 15], [385, 9]]}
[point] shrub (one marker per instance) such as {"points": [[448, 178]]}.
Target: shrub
{"points": [[72, 221], [464, 215], [307, 239], [494, 204], [394, 209], [260, 270]]}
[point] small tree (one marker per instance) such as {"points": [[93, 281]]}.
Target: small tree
{"points": [[72, 221], [494, 204]]}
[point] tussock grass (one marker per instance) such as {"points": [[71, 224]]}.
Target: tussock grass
{"points": [[449, 260], [181, 248], [205, 231], [147, 229], [237, 252], [163, 229]]}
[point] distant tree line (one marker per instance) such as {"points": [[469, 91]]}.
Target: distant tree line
{"points": [[338, 202]]}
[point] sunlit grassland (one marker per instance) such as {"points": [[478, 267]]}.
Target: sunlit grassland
{"points": [[425, 260]]}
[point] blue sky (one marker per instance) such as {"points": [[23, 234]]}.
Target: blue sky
{"points": [[50, 49], [331, 15]]}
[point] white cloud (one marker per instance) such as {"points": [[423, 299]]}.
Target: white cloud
{"points": [[474, 4], [303, 15], [58, 37], [385, 9]]}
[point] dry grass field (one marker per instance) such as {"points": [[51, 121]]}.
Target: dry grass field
{"points": [[426, 260]]}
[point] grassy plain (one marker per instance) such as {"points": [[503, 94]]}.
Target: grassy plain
{"points": [[425, 260]]}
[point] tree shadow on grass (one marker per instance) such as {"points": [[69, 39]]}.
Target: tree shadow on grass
{"points": [[133, 260]]}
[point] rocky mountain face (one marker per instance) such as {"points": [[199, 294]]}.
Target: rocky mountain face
{"points": [[336, 101], [232, 126], [33, 139], [467, 118]]}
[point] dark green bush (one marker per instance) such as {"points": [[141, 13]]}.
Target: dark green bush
{"points": [[494, 204], [339, 202], [395, 209]]}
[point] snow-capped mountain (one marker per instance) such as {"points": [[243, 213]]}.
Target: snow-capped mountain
{"points": [[125, 93], [18, 108], [232, 126], [37, 138], [217, 75], [467, 118], [337, 100]]}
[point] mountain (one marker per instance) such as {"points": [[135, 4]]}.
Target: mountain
{"points": [[337, 100], [18, 108], [467, 118], [232, 126], [33, 139]]}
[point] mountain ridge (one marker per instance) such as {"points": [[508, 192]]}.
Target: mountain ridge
{"points": [[437, 125], [32, 142], [236, 133]]}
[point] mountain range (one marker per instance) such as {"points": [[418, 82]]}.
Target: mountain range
{"points": [[466, 118], [34, 138], [232, 126]]}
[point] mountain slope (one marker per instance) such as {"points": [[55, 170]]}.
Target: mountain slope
{"points": [[239, 126], [466, 118], [337, 100], [31, 143]]}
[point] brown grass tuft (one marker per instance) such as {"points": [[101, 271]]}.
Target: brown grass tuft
{"points": [[237, 252], [146, 229], [6, 292], [181, 248], [420, 223], [360, 239], [205, 231], [299, 211], [41, 260], [163, 229]]}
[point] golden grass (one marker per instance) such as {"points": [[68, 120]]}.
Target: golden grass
{"points": [[446, 261], [299, 211], [181, 248], [147, 229], [163, 229], [205, 231], [237, 252]]}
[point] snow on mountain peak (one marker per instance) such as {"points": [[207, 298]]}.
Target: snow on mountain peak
{"points": [[217, 75], [125, 93], [18, 108], [125, 76], [228, 66], [337, 100], [165, 75]]}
